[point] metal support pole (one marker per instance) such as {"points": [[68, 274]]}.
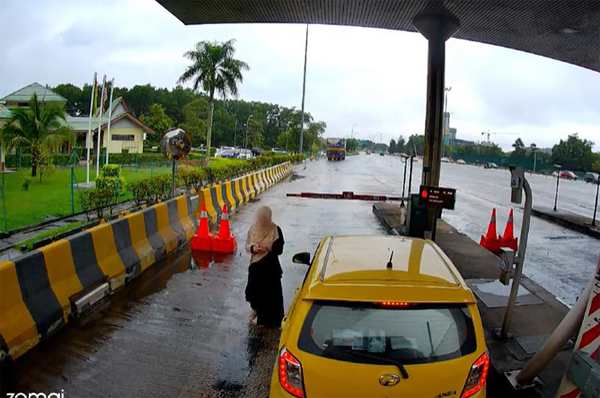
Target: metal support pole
{"points": [[556, 193], [406, 160], [173, 180], [246, 138], [303, 93], [410, 173], [72, 190], [436, 29], [4, 202], [596, 203], [520, 259]]}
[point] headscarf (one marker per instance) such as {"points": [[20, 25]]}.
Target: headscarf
{"points": [[262, 235]]}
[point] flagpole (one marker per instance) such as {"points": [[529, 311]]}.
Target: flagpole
{"points": [[303, 93], [112, 85], [88, 138], [100, 126]]}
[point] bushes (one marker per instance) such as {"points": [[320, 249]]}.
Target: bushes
{"points": [[154, 189], [111, 178], [192, 177], [129, 159], [99, 200]]}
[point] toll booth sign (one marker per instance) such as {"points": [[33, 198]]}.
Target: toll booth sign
{"points": [[444, 198]]}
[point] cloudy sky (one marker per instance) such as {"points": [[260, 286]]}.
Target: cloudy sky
{"points": [[373, 78]]}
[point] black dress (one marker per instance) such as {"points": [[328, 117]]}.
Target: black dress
{"points": [[263, 290]]}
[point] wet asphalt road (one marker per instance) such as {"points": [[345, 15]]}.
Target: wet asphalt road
{"points": [[561, 260], [181, 329]]}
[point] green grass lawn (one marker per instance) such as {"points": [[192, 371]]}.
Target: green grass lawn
{"points": [[52, 197]]}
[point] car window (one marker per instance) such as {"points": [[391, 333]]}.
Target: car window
{"points": [[413, 334]]}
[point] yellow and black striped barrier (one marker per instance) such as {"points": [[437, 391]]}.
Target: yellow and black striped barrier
{"points": [[37, 290], [234, 193]]}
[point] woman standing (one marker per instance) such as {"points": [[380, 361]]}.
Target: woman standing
{"points": [[263, 291]]}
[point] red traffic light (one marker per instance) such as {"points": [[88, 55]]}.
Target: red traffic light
{"points": [[424, 194]]}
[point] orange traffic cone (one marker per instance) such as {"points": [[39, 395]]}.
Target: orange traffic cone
{"points": [[508, 239], [490, 240], [203, 240], [225, 242]]}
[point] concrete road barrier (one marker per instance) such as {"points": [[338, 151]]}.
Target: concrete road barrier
{"points": [[234, 193], [37, 290]]}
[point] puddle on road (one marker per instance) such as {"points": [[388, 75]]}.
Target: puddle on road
{"points": [[243, 361], [295, 177]]}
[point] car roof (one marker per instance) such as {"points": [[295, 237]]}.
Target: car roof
{"points": [[355, 268]]}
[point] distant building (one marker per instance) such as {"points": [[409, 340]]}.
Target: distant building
{"points": [[452, 133], [449, 133], [126, 131], [456, 141]]}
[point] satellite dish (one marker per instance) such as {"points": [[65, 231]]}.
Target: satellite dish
{"points": [[175, 144]]}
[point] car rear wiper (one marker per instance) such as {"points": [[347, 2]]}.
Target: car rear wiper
{"points": [[381, 360]]}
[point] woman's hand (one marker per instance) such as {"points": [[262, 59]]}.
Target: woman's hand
{"points": [[260, 249]]}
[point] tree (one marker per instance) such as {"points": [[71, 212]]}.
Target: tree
{"points": [[39, 127], [158, 121], [76, 99], [574, 153], [140, 98], [489, 149], [401, 145], [351, 145], [254, 133], [519, 149], [215, 71], [393, 148], [194, 115], [224, 125], [418, 142]]}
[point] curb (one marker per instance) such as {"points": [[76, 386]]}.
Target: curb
{"points": [[388, 228], [574, 226]]}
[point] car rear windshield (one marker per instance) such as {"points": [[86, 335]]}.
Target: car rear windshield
{"points": [[372, 332]]}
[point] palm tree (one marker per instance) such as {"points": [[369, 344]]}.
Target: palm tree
{"points": [[40, 127], [214, 70]]}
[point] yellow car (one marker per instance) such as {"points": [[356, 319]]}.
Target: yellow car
{"points": [[381, 317]]}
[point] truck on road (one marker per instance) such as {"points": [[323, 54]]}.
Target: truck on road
{"points": [[336, 149]]}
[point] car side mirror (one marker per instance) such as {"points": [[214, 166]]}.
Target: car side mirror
{"points": [[301, 258]]}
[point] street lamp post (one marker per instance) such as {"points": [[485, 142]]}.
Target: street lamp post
{"points": [[596, 203], [303, 93], [445, 125], [352, 132], [246, 140], [557, 167], [405, 159]]}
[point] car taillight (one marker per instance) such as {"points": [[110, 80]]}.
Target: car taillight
{"points": [[477, 376], [290, 373]]}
